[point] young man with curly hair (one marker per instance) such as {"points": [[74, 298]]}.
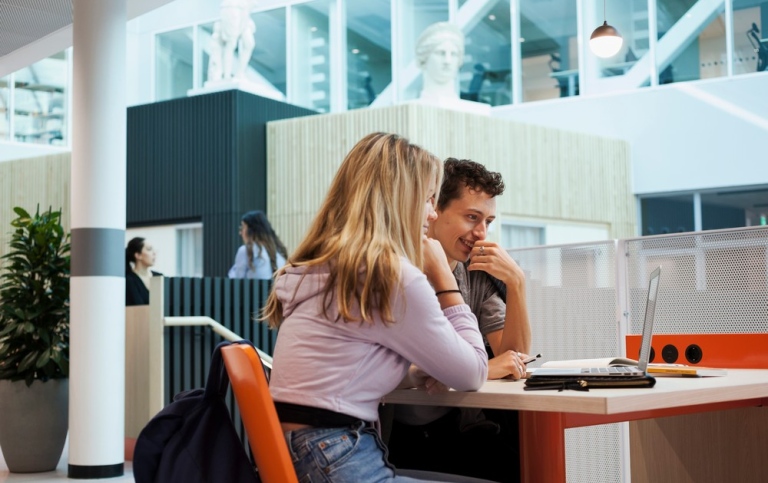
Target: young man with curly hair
{"points": [[471, 442]]}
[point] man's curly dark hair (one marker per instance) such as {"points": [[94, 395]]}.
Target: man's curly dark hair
{"points": [[465, 172]]}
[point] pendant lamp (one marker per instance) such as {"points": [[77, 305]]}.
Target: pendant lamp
{"points": [[605, 40]]}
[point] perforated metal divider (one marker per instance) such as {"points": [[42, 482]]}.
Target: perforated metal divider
{"points": [[583, 299], [572, 303], [711, 282]]}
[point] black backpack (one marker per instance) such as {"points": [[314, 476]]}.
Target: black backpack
{"points": [[193, 440]]}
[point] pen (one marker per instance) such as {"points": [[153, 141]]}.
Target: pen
{"points": [[531, 358]]}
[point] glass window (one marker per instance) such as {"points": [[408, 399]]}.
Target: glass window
{"points": [[734, 208], [206, 43], [486, 73], [631, 19], [519, 236], [549, 49], [415, 17], [369, 51], [39, 100], [750, 41], [189, 251], [268, 65], [5, 107], [669, 214], [310, 56], [173, 64], [691, 40]]}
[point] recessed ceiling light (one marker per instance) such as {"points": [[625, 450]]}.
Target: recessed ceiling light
{"points": [[491, 17], [355, 51]]}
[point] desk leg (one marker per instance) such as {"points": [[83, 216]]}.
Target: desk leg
{"points": [[542, 447]]}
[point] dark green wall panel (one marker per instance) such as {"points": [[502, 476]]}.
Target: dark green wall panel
{"points": [[201, 158]]}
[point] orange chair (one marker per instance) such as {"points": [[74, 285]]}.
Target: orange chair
{"points": [[249, 384]]}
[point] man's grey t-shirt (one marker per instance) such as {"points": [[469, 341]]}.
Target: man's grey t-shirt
{"points": [[483, 298]]}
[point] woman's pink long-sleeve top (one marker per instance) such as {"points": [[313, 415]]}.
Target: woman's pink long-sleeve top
{"points": [[347, 367]]}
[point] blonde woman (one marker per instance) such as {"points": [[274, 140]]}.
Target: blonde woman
{"points": [[364, 296]]}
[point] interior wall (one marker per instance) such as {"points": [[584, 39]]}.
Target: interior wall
{"points": [[686, 136], [31, 182], [550, 174]]}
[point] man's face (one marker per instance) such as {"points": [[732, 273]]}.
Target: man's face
{"points": [[463, 222]]}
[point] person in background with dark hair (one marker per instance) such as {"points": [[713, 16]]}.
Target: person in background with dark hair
{"points": [[472, 442], [262, 252], [139, 256]]}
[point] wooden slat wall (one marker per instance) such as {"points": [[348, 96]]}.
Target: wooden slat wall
{"points": [[28, 182], [550, 174]]}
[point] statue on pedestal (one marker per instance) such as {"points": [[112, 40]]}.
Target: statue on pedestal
{"points": [[235, 30], [440, 54]]}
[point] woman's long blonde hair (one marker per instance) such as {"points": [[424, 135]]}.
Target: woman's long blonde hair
{"points": [[372, 215]]}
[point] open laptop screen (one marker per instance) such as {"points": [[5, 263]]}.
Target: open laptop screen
{"points": [[650, 311]]}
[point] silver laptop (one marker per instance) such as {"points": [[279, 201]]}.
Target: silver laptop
{"points": [[645, 347]]}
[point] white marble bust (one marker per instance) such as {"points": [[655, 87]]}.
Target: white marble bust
{"points": [[440, 54]]}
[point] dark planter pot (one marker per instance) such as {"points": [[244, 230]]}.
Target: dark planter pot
{"points": [[33, 424]]}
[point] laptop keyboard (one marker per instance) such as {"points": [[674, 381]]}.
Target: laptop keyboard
{"points": [[609, 370]]}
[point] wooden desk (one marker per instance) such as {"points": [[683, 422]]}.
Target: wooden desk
{"points": [[544, 415]]}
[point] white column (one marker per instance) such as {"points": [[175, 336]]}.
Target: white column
{"points": [[729, 37], [653, 36], [338, 51], [517, 59], [697, 219], [97, 292], [396, 32]]}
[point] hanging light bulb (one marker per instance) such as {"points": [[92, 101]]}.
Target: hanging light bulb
{"points": [[605, 40]]}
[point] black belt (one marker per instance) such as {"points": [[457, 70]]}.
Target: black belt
{"points": [[317, 417]]}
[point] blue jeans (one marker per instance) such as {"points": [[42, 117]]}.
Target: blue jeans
{"points": [[352, 454]]}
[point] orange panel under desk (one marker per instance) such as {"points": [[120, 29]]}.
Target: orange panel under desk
{"points": [[747, 351]]}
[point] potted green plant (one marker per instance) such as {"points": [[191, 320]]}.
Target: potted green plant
{"points": [[34, 342]]}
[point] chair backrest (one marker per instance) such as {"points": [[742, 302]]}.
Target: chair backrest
{"points": [[257, 410]]}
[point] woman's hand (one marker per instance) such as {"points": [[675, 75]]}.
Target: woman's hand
{"points": [[436, 266], [507, 365], [421, 380]]}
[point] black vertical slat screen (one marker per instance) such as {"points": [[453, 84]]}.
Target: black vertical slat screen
{"points": [[201, 158], [234, 303]]}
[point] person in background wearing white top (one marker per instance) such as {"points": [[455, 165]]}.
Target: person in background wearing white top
{"points": [[366, 304], [262, 252]]}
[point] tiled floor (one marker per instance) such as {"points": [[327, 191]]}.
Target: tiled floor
{"points": [[59, 475]]}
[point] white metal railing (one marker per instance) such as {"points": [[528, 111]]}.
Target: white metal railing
{"points": [[226, 334]]}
